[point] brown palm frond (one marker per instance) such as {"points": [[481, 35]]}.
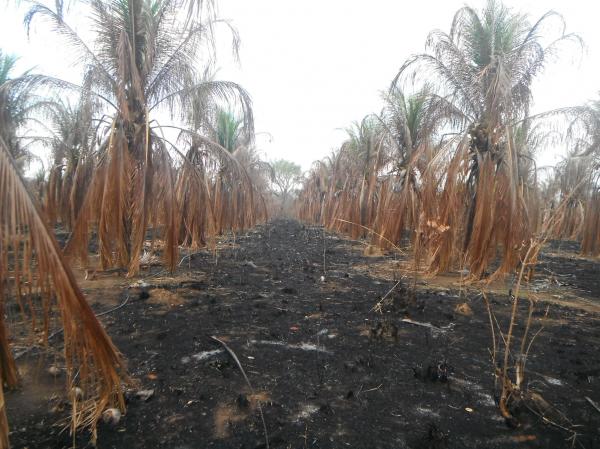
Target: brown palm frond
{"points": [[30, 253]]}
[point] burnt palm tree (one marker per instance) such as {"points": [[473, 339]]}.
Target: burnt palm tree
{"points": [[214, 189], [583, 167], [67, 130], [16, 101], [33, 272], [363, 153], [407, 138], [405, 120], [484, 68], [144, 59]]}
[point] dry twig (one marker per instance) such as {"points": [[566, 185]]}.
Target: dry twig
{"points": [[237, 361]]}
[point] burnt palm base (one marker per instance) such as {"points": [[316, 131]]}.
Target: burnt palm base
{"points": [[331, 372]]}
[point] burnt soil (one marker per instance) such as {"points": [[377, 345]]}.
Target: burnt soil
{"points": [[329, 371]]}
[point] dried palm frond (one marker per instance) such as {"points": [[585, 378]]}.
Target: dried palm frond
{"points": [[32, 263]]}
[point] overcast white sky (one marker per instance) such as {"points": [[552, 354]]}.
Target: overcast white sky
{"points": [[312, 67]]}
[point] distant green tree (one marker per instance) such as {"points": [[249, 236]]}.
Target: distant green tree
{"points": [[286, 175]]}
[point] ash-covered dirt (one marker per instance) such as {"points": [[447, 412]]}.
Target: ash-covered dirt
{"points": [[328, 369]]}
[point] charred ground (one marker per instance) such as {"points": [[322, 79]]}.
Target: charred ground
{"points": [[329, 371]]}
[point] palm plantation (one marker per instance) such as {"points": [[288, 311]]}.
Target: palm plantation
{"points": [[155, 185], [113, 168]]}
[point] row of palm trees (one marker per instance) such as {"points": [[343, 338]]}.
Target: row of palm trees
{"points": [[109, 147], [148, 145], [144, 62], [452, 165]]}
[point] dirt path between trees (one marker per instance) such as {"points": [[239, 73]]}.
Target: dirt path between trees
{"points": [[295, 305]]}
